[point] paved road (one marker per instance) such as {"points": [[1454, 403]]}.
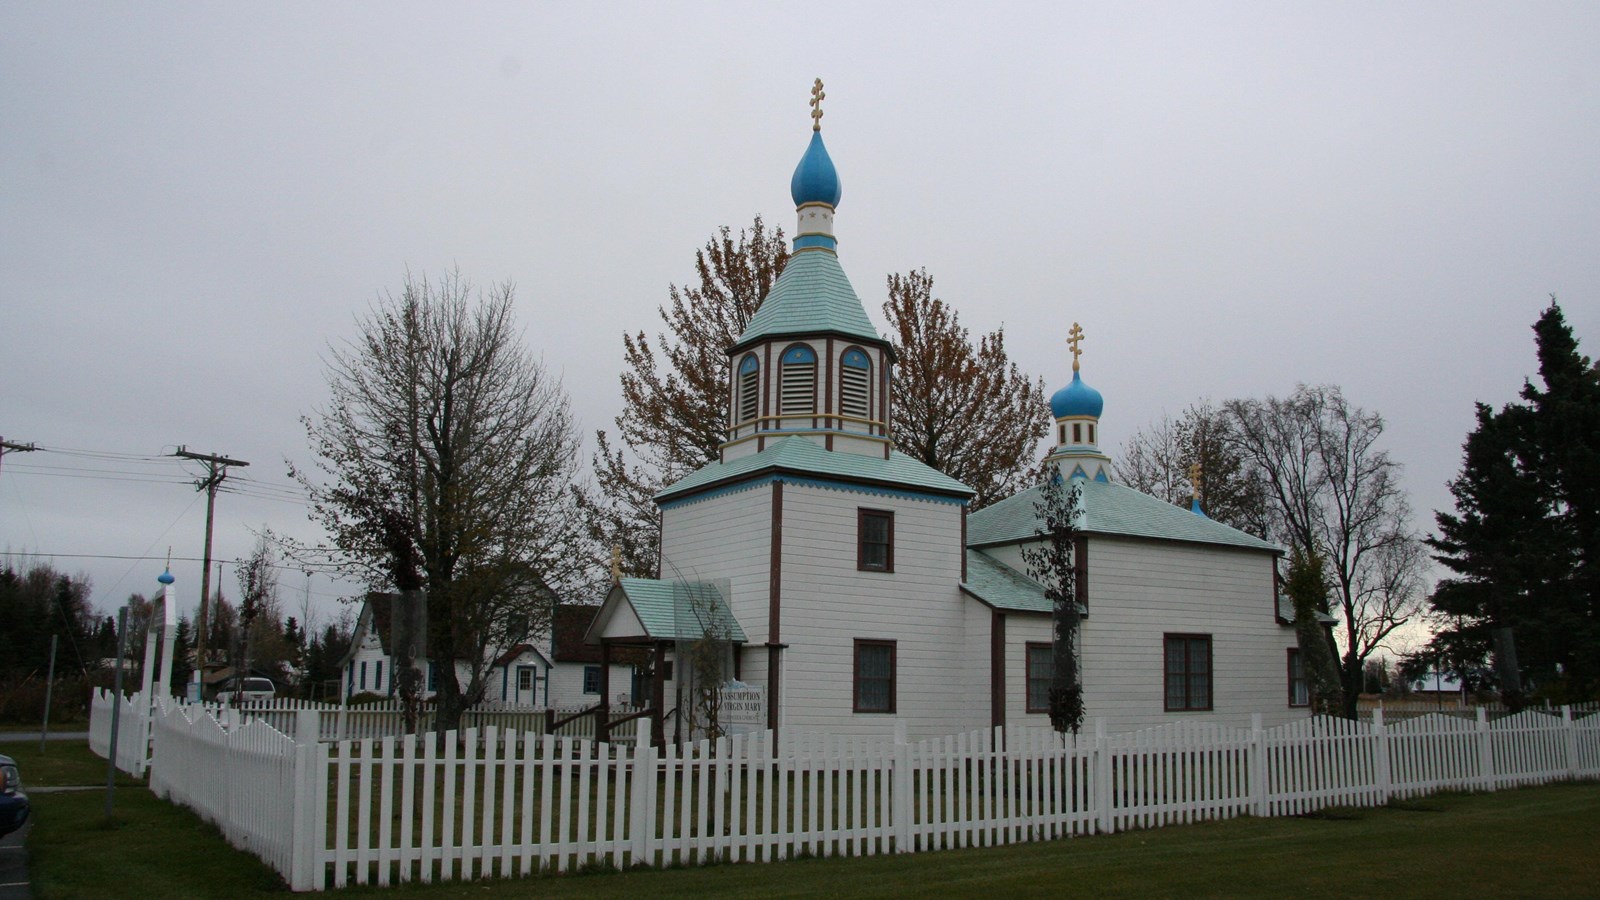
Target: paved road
{"points": [[17, 737], [13, 849], [14, 864]]}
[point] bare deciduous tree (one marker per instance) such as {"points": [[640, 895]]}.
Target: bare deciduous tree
{"points": [[1157, 461], [443, 437], [1334, 493], [965, 410]]}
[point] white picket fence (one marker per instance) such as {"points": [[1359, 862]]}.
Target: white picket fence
{"points": [[333, 722], [476, 804], [380, 720]]}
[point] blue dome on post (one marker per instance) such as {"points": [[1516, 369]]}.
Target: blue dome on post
{"points": [[1077, 399], [166, 577], [815, 179]]}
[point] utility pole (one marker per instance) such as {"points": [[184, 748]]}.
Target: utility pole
{"points": [[15, 447], [216, 473]]}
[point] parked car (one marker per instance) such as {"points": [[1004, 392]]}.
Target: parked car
{"points": [[250, 691], [13, 802]]}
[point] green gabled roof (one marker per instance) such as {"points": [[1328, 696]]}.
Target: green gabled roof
{"points": [[811, 296], [1108, 509], [1001, 586], [804, 457], [680, 610]]}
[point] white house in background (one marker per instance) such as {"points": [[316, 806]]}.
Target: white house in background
{"points": [[861, 589], [576, 679], [520, 676]]}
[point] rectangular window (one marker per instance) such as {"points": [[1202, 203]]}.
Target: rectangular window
{"points": [[874, 678], [524, 678], [363, 675], [433, 677], [1188, 671], [1041, 667], [1299, 687], [1077, 432], [591, 679], [377, 675], [874, 540], [1063, 430]]}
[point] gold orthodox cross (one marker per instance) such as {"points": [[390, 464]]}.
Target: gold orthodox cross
{"points": [[616, 563], [1074, 338], [817, 96], [1194, 479]]}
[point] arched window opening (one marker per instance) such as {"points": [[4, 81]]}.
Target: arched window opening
{"points": [[749, 388], [799, 381], [855, 380]]}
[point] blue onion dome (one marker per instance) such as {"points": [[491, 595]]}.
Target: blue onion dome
{"points": [[1077, 399], [166, 577], [815, 179]]}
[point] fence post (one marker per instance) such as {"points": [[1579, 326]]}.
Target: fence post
{"points": [[641, 797], [1258, 767], [902, 789], [1485, 752], [1380, 755], [1570, 734], [302, 853], [1102, 775], [307, 726]]}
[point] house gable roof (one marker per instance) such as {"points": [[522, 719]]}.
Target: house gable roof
{"points": [[1001, 587], [1110, 509], [666, 611]]}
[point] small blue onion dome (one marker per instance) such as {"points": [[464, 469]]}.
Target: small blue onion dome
{"points": [[815, 179], [1077, 399], [166, 577]]}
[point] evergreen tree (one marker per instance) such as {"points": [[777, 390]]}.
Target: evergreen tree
{"points": [[1308, 589], [675, 391], [1524, 540], [964, 409], [1051, 562]]}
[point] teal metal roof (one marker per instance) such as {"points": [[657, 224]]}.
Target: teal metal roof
{"points": [[681, 610], [1001, 586], [1108, 509], [802, 456], [812, 295]]}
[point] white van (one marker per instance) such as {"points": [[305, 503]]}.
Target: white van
{"points": [[253, 689]]}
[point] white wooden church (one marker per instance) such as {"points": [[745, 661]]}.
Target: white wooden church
{"points": [[859, 588]]}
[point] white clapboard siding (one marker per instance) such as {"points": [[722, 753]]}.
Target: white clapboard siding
{"points": [[495, 803]]}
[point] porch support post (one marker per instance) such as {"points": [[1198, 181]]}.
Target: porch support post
{"points": [[658, 697], [602, 724]]}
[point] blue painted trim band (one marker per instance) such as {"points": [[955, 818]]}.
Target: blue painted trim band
{"points": [[816, 242]]}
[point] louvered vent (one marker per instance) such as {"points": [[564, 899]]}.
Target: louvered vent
{"points": [[799, 387], [749, 395], [853, 392]]}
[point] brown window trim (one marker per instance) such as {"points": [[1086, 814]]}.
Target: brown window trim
{"points": [[1211, 673], [1027, 675], [1080, 573], [1289, 655], [855, 675], [862, 514]]}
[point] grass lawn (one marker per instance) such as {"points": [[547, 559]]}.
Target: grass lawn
{"points": [[63, 763], [1529, 843]]}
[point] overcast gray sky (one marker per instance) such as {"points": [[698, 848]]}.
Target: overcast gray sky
{"points": [[196, 199]]}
